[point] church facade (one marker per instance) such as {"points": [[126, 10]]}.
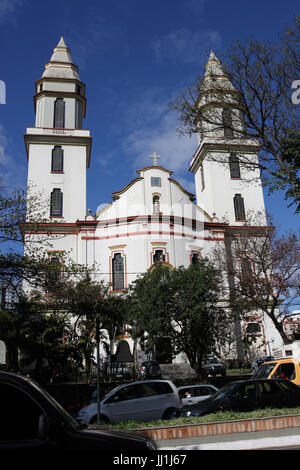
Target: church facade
{"points": [[153, 218]]}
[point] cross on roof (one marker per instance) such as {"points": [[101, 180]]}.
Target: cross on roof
{"points": [[154, 156]]}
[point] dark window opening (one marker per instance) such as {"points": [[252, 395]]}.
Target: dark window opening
{"points": [[59, 113], [227, 123], [117, 272], [54, 275], [239, 207], [57, 163], [234, 165], [159, 256], [56, 203]]}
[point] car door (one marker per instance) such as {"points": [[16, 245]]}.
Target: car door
{"points": [[123, 404], [243, 397], [270, 394]]}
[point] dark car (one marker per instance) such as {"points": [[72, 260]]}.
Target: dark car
{"points": [[247, 395], [213, 367], [33, 420], [150, 369]]}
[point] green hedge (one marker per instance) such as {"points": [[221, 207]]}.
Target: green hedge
{"points": [[210, 418]]}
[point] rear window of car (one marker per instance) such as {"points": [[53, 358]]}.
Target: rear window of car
{"points": [[155, 388], [268, 387]]}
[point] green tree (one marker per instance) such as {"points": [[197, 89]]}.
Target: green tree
{"points": [[183, 305]]}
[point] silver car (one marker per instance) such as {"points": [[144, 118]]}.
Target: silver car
{"points": [[143, 400], [195, 393]]}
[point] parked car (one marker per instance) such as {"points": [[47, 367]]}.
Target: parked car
{"points": [[150, 370], [213, 367], [247, 395], [33, 420], [195, 393], [143, 400]]}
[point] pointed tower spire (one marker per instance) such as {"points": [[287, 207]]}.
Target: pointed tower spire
{"points": [[61, 64]]}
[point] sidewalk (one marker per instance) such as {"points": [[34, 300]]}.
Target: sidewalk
{"points": [[237, 441]]}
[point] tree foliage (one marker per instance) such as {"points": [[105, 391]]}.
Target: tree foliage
{"points": [[265, 270], [180, 304]]}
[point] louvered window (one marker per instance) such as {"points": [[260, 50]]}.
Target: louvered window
{"points": [[234, 165], [227, 123], [56, 203], [117, 272], [59, 113], [57, 163], [239, 207], [78, 114]]}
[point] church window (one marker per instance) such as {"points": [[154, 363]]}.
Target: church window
{"points": [[156, 205], [54, 274], [227, 123], [195, 257], [239, 207], [234, 166], [57, 163], [253, 328], [56, 203], [202, 177], [59, 113], [117, 272], [78, 114], [246, 270], [159, 256], [155, 181]]}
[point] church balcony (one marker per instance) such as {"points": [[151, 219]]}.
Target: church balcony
{"points": [[58, 131]]}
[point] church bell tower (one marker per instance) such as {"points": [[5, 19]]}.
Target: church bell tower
{"points": [[227, 178], [58, 149]]}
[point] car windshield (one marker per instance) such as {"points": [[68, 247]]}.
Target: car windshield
{"points": [[211, 361], [264, 371]]}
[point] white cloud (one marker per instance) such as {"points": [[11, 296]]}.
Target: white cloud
{"points": [[8, 8], [184, 46], [158, 134]]}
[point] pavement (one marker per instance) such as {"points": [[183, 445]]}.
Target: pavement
{"points": [[277, 438]]}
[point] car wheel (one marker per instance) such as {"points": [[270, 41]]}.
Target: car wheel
{"points": [[169, 413], [103, 420]]}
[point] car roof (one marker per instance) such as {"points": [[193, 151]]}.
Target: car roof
{"points": [[195, 385]]}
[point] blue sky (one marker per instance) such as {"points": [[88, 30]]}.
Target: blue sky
{"points": [[133, 56]]}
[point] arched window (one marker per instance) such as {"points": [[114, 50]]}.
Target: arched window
{"points": [[246, 270], [159, 256], [59, 113], [195, 257], [54, 275], [156, 205], [117, 272], [56, 203], [227, 123], [234, 166], [239, 207], [57, 162]]}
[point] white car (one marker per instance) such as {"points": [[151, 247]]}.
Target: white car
{"points": [[143, 400], [194, 393]]}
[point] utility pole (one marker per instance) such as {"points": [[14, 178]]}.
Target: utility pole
{"points": [[98, 366]]}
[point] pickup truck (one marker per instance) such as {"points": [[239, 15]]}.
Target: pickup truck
{"points": [[31, 419]]}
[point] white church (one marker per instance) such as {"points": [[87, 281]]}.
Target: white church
{"points": [[153, 218]]}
